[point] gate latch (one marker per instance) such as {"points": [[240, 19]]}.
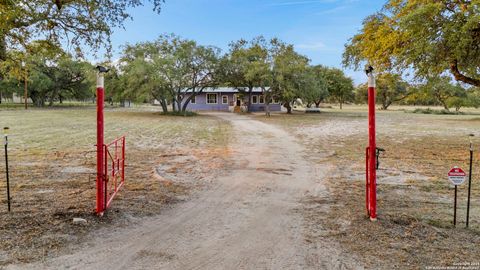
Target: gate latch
{"points": [[377, 155]]}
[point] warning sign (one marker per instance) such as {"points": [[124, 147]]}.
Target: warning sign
{"points": [[456, 176]]}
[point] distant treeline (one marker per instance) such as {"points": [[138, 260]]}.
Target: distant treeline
{"points": [[164, 69]]}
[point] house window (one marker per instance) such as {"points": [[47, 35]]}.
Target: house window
{"points": [[193, 100], [254, 99], [224, 99], [274, 101], [261, 99], [212, 99]]}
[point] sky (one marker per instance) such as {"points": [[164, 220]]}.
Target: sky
{"points": [[318, 29]]}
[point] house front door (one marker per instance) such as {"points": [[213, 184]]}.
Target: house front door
{"points": [[238, 102]]}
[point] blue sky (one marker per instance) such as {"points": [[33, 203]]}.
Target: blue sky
{"points": [[318, 28]]}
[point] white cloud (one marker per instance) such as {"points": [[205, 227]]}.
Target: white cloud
{"points": [[316, 46]]}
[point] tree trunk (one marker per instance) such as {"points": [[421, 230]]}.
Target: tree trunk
{"points": [[289, 108], [164, 105], [445, 106], [341, 104], [52, 97], [317, 104]]}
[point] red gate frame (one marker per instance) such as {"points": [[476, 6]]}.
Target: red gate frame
{"points": [[116, 171]]}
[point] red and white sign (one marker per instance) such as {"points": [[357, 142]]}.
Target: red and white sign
{"points": [[456, 176]]}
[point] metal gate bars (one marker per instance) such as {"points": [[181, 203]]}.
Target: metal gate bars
{"points": [[114, 169]]}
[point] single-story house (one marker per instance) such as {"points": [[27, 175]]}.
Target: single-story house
{"points": [[230, 99]]}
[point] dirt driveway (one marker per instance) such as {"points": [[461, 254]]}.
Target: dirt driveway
{"points": [[250, 218]]}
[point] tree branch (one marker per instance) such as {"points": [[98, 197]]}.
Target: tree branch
{"points": [[460, 77]]}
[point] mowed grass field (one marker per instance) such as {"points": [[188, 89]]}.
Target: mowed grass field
{"points": [[52, 171], [415, 198]]}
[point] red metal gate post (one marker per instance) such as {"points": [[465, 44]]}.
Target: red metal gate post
{"points": [[123, 159], [100, 146], [372, 171]]}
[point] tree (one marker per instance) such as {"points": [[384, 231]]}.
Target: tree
{"points": [[56, 81], [443, 91], [340, 87], [140, 77], [56, 22], [246, 65], [272, 65], [172, 67], [361, 93], [428, 36], [77, 21], [287, 72], [53, 75], [313, 87], [390, 88]]}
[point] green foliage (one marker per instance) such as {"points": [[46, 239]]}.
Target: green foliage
{"points": [[246, 65], [428, 36], [340, 87], [50, 76], [313, 87], [76, 21], [390, 88], [272, 65], [169, 67], [288, 72], [444, 92]]}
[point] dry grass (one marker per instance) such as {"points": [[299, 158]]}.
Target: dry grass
{"points": [[415, 199], [52, 172]]}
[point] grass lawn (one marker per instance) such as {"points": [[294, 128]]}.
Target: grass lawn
{"points": [[52, 171], [415, 198]]}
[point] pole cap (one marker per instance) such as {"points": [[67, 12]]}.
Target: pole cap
{"points": [[102, 69], [6, 130]]}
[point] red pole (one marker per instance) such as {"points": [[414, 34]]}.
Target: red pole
{"points": [[100, 146], [367, 184], [123, 159], [372, 147]]}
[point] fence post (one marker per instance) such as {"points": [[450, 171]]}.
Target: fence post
{"points": [[372, 170], [100, 144]]}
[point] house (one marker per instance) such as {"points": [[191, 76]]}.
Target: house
{"points": [[230, 99]]}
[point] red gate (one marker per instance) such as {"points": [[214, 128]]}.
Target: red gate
{"points": [[114, 164]]}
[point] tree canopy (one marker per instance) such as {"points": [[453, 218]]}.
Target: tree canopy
{"points": [[74, 21], [429, 36], [170, 67]]}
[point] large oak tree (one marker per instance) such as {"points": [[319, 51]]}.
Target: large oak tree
{"points": [[428, 36], [74, 23]]}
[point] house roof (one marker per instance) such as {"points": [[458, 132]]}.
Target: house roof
{"points": [[228, 90]]}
